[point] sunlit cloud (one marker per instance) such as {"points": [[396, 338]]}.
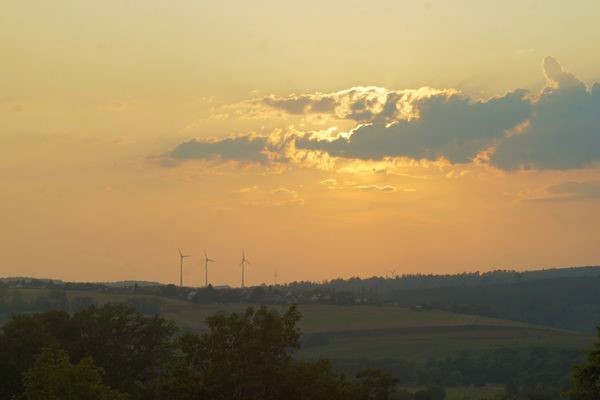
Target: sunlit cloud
{"points": [[249, 189], [286, 197], [332, 184], [328, 182], [390, 166], [563, 131], [450, 127], [376, 188], [559, 128], [362, 104]]}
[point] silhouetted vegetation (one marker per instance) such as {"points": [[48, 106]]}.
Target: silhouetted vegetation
{"points": [[129, 350], [54, 377], [586, 376], [115, 352]]}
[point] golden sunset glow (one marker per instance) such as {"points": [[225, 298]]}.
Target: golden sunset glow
{"points": [[327, 139]]}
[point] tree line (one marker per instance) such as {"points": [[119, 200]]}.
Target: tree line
{"points": [[520, 296], [113, 352]]}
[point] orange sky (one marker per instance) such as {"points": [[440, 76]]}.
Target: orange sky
{"points": [[329, 141]]}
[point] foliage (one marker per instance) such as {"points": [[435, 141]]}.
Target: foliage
{"points": [[586, 376], [131, 348], [53, 377], [246, 356], [115, 334], [317, 381], [376, 384], [24, 336]]}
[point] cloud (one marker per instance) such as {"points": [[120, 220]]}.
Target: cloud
{"points": [[250, 148], [376, 188], [563, 131], [391, 166], [559, 128], [302, 104], [451, 127], [332, 184], [249, 189], [286, 197], [362, 103], [328, 182], [275, 151], [557, 77]]}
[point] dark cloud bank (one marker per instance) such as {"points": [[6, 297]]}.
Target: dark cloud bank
{"points": [[556, 129]]}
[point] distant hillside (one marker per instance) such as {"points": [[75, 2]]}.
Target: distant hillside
{"points": [[380, 284], [393, 282], [29, 280], [566, 298], [567, 302], [40, 282]]}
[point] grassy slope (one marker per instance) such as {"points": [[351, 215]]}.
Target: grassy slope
{"points": [[378, 332]]}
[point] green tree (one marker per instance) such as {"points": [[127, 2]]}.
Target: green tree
{"points": [[376, 384], [53, 377], [130, 347], [248, 356], [316, 381], [244, 355], [23, 337], [586, 376]]}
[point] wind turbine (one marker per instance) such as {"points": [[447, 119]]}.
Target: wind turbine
{"points": [[206, 261], [243, 264], [181, 257]]}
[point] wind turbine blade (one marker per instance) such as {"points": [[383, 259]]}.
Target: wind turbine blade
{"points": [[248, 262], [180, 253]]}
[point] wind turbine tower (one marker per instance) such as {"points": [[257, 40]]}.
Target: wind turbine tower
{"points": [[181, 257], [243, 264], [206, 261]]}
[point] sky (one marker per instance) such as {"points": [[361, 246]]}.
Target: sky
{"points": [[324, 138]]}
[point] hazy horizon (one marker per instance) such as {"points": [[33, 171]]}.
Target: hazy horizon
{"points": [[328, 140]]}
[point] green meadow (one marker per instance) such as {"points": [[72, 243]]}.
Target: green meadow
{"points": [[374, 332]]}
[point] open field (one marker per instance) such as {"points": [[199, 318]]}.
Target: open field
{"points": [[376, 332], [332, 318], [421, 343]]}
